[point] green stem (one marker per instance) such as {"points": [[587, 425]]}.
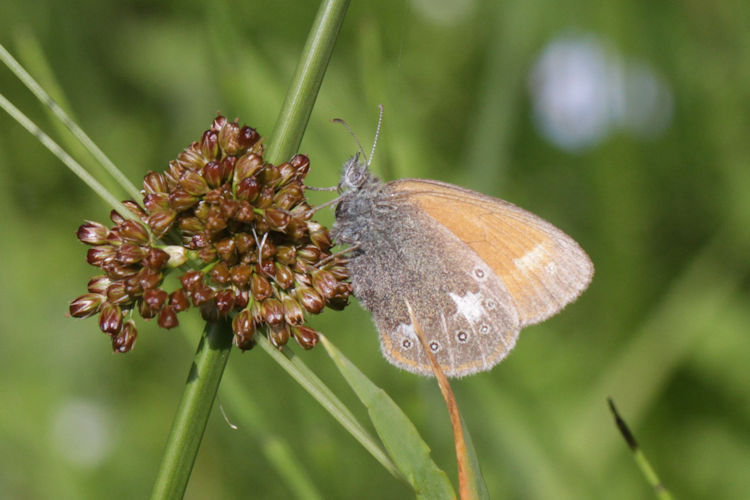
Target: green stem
{"points": [[192, 414], [297, 107]]}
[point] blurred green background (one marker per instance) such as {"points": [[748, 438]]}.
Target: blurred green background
{"points": [[627, 124]]}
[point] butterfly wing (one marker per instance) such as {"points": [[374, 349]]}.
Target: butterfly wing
{"points": [[462, 307], [542, 268]]}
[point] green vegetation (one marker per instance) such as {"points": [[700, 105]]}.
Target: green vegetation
{"points": [[663, 328]]}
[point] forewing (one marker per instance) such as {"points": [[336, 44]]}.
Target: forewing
{"points": [[542, 268]]}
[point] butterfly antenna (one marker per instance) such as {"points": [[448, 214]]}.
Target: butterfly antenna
{"points": [[351, 132], [377, 135]]}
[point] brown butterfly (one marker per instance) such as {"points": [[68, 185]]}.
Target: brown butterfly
{"points": [[475, 269]]}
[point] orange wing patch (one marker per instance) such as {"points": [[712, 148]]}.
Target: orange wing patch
{"points": [[542, 267]]}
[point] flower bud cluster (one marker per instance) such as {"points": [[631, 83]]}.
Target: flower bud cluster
{"points": [[241, 234]]}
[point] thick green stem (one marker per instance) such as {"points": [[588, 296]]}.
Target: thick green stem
{"points": [[295, 112], [192, 414]]}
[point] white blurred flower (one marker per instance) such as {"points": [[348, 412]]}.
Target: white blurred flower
{"points": [[581, 91]]}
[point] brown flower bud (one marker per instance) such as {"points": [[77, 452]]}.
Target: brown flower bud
{"points": [[319, 235], [110, 318], [178, 300], [309, 254], [247, 137], [227, 168], [202, 294], [276, 218], [241, 299], [86, 305], [101, 255], [213, 173], [116, 293], [155, 298], [286, 254], [289, 196], [241, 274], [133, 231], [260, 287], [92, 233], [245, 213], [247, 166], [248, 189], [265, 198], [215, 221], [156, 201], [220, 273], [180, 200], [272, 311], [325, 283], [229, 138], [224, 300], [99, 284], [302, 164], [218, 123], [130, 253], [125, 340], [244, 330], [296, 230], [310, 299], [305, 336], [279, 335], [191, 158], [286, 173], [115, 217], [293, 312], [190, 225], [226, 249], [154, 182], [160, 221], [191, 280], [145, 311], [148, 278], [167, 318], [132, 284], [194, 183], [270, 175], [209, 144], [117, 271], [284, 276], [173, 174], [244, 242], [266, 268]]}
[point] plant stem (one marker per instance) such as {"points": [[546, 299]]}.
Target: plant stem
{"points": [[192, 414], [297, 107]]}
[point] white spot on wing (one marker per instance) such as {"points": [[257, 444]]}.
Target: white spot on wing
{"points": [[406, 331], [469, 306], [532, 259]]}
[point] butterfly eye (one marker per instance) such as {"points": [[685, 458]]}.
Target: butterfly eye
{"points": [[484, 328], [479, 273], [462, 336], [434, 346]]}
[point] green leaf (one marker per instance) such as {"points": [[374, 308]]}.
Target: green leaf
{"points": [[400, 438]]}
